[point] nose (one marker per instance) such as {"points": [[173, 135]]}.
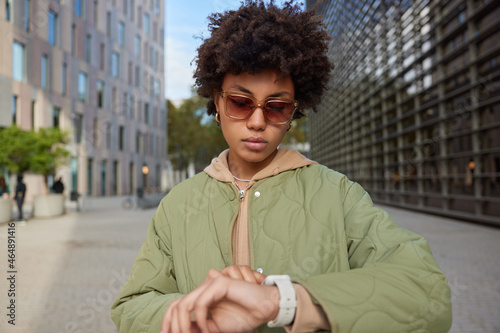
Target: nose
{"points": [[257, 120]]}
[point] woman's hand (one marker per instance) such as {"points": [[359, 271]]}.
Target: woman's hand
{"points": [[239, 272], [231, 300]]}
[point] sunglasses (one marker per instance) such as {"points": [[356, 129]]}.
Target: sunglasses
{"points": [[241, 106]]}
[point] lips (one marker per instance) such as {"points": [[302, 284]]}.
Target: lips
{"points": [[255, 143]]}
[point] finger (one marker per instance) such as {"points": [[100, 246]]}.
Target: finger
{"points": [[232, 271], [259, 277], [167, 318], [183, 316], [212, 273], [201, 307], [248, 274]]}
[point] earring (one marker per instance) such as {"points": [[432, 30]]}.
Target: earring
{"points": [[289, 126], [217, 118]]}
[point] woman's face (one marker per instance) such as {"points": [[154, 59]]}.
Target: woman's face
{"points": [[253, 141]]}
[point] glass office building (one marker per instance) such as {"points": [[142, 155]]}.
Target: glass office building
{"points": [[413, 110], [95, 69]]}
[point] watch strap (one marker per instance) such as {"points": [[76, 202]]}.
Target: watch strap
{"points": [[288, 300]]}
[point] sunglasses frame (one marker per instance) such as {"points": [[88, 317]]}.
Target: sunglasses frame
{"points": [[258, 104]]}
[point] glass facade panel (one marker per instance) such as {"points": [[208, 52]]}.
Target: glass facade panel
{"points": [[18, 61], [78, 9], [82, 86], [52, 28], [44, 72], [412, 112], [121, 33], [115, 64]]}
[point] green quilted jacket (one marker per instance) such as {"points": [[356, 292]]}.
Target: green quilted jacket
{"points": [[311, 223]]}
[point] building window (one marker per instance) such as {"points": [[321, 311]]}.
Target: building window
{"points": [[77, 124], [108, 135], [74, 173], [14, 109], [78, 7], [130, 72], [156, 88], [100, 93], [137, 76], [157, 7], [120, 137], [139, 17], [52, 26], [56, 117], [82, 87], [121, 33], [115, 177], [33, 108], [138, 142], [96, 132], [108, 23], [89, 176], [102, 56], [124, 105], [26, 15], [43, 75], [73, 39], [8, 7], [18, 61], [63, 78], [88, 48], [103, 177], [96, 13], [146, 24], [113, 100], [115, 68], [146, 113], [137, 46]]}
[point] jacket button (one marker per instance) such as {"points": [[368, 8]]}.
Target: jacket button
{"points": [[257, 194]]}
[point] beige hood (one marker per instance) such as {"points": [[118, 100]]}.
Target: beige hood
{"points": [[285, 159]]}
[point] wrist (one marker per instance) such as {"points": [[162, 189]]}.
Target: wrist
{"points": [[274, 298], [287, 303]]}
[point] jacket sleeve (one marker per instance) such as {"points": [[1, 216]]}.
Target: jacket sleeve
{"points": [[151, 286], [394, 283]]}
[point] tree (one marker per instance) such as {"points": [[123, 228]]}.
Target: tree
{"points": [[193, 136], [49, 151], [17, 149], [39, 152]]}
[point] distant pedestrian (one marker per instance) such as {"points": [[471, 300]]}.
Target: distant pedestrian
{"points": [[58, 186], [19, 196]]}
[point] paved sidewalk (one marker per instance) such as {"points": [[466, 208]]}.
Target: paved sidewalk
{"points": [[70, 268]]}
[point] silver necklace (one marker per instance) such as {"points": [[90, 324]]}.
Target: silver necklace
{"points": [[241, 191], [242, 180]]}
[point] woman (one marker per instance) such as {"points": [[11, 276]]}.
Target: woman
{"points": [[265, 235]]}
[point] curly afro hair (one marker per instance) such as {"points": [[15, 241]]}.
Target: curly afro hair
{"points": [[257, 37]]}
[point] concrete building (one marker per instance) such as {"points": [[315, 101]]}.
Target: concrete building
{"points": [[94, 68], [413, 111]]}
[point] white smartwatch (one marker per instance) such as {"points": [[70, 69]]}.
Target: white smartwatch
{"points": [[288, 300]]}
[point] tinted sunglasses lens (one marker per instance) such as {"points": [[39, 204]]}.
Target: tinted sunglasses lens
{"points": [[279, 111], [239, 106]]}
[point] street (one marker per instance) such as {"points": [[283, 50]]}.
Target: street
{"points": [[69, 269]]}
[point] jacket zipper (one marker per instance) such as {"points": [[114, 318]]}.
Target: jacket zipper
{"points": [[241, 191]]}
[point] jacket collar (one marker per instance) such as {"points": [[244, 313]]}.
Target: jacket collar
{"points": [[285, 159]]}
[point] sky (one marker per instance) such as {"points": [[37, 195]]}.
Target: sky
{"points": [[186, 20]]}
